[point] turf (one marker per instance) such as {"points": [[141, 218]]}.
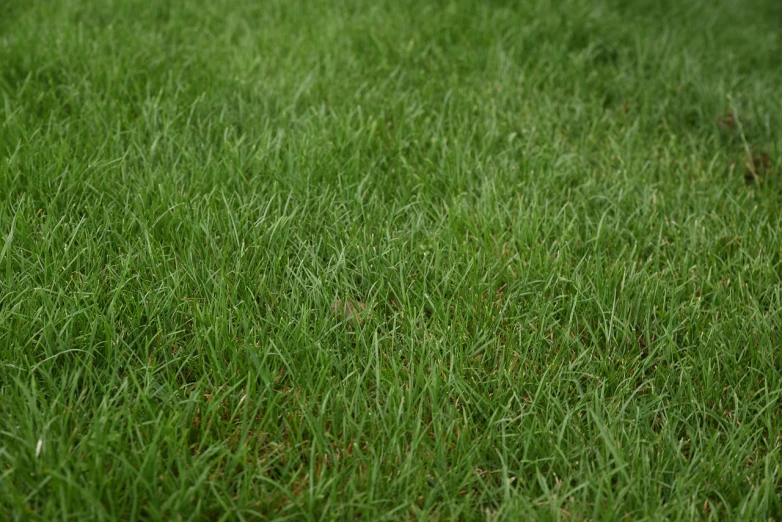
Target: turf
{"points": [[390, 260]]}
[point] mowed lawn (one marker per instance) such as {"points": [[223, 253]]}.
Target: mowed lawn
{"points": [[396, 259]]}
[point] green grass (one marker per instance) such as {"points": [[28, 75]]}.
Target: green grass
{"points": [[573, 295]]}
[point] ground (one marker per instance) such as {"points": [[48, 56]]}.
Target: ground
{"points": [[400, 259]]}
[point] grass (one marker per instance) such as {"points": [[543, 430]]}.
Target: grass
{"points": [[572, 294]]}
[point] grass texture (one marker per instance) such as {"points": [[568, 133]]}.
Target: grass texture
{"points": [[388, 260]]}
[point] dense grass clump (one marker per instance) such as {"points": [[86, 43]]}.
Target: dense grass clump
{"points": [[390, 260]]}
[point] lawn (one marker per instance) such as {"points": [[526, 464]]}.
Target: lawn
{"points": [[395, 259]]}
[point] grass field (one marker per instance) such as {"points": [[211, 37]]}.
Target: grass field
{"points": [[400, 259]]}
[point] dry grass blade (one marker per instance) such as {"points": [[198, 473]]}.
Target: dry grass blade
{"points": [[728, 122], [352, 311], [757, 165]]}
